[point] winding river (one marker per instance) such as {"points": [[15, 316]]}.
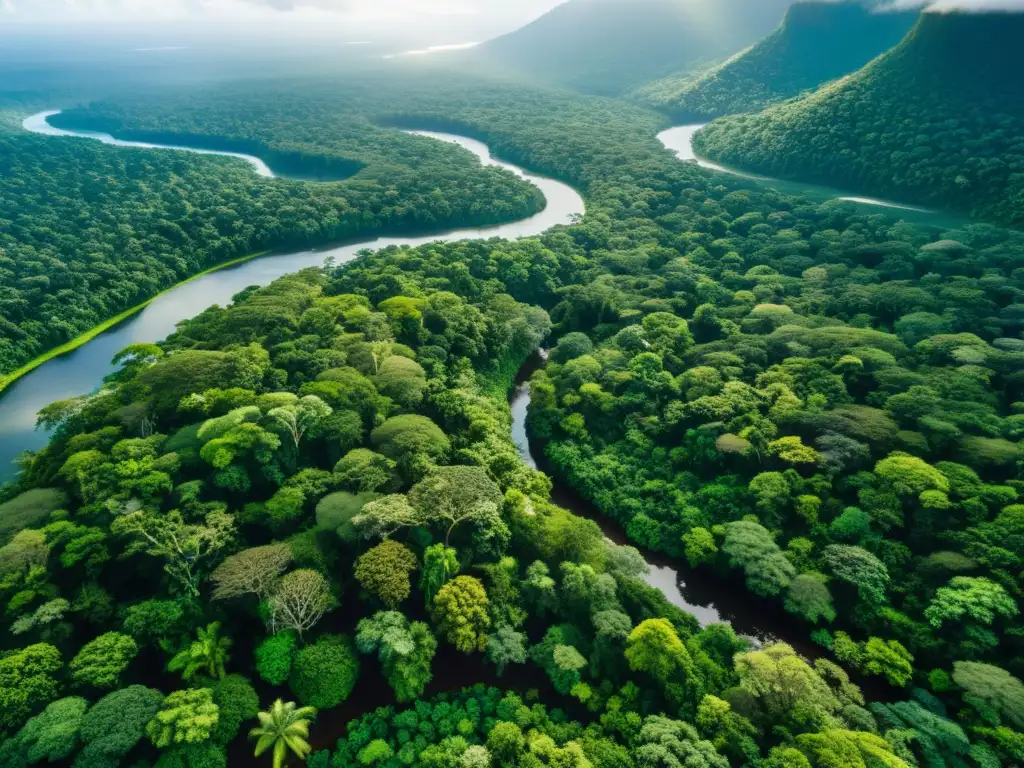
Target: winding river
{"points": [[710, 599], [680, 141], [83, 369]]}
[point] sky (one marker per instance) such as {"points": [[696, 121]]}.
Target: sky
{"points": [[446, 20]]}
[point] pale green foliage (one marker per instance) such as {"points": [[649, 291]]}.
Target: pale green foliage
{"points": [[785, 686], [186, 717], [440, 565], [460, 612], [910, 476], [101, 661], [966, 597], [992, 690]]}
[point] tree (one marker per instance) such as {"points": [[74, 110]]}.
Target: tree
{"points": [[153, 621], [405, 651], [506, 646], [854, 749], [283, 728], [101, 661], [860, 568], [387, 515], [910, 476], [785, 687], [665, 742], [274, 656], [325, 672], [402, 437], [336, 512], [252, 571], [301, 599], [809, 598], [751, 546], [114, 724], [51, 736], [440, 565], [460, 613], [699, 546], [505, 741], [403, 380], [654, 647], [185, 717], [237, 702], [299, 418], [966, 597], [450, 496], [888, 658], [991, 690], [207, 655], [28, 680], [384, 572], [185, 548]]}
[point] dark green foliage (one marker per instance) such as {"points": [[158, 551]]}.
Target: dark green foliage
{"points": [[115, 724], [237, 702], [275, 655], [324, 672], [929, 101]]}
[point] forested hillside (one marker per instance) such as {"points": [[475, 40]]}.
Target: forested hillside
{"points": [[315, 488], [611, 46], [88, 231], [817, 42], [937, 121]]}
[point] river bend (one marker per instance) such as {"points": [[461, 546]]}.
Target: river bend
{"points": [[82, 370]]}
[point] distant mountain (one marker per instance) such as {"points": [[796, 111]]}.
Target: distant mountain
{"points": [[817, 42], [610, 46], [939, 120]]}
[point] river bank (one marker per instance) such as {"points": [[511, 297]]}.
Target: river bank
{"points": [[69, 346], [81, 368]]}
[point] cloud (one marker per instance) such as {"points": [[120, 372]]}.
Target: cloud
{"points": [[945, 6]]}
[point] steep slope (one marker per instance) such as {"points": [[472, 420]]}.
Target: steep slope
{"points": [[610, 46], [938, 121], [816, 42]]}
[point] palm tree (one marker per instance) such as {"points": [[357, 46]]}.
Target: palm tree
{"points": [[207, 655], [284, 727]]}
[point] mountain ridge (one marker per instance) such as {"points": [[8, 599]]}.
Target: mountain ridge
{"points": [[938, 120], [608, 47], [816, 42]]}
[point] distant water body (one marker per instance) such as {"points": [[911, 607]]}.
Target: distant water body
{"points": [[680, 141], [82, 370]]}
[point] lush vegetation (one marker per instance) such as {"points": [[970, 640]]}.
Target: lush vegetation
{"points": [[939, 120], [315, 487], [817, 42], [88, 231], [611, 46]]}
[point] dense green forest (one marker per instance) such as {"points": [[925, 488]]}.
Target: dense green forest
{"points": [[817, 42], [608, 47], [939, 121], [315, 488], [88, 230]]}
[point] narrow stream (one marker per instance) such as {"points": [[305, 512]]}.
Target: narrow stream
{"points": [[680, 141], [708, 596]]}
